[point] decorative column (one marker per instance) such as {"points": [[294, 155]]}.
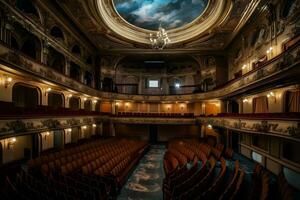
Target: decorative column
{"points": [[241, 110], [45, 52], [67, 67]]}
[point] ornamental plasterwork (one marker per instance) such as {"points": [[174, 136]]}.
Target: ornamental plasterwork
{"points": [[289, 128], [100, 20], [32, 125]]}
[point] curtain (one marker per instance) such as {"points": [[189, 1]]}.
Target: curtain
{"points": [[260, 104], [293, 101]]}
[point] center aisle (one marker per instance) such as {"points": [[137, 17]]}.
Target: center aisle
{"points": [[146, 180]]}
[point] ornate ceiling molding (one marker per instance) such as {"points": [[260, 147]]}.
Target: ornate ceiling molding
{"points": [[204, 27]]}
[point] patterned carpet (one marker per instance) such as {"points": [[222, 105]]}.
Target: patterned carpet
{"points": [[146, 180]]}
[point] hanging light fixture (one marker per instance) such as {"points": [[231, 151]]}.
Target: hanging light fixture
{"points": [[159, 40]]}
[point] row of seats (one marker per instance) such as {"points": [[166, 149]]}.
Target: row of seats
{"points": [[65, 175], [147, 114], [205, 182]]}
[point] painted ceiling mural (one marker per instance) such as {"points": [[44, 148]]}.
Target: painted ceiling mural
{"points": [[149, 14]]}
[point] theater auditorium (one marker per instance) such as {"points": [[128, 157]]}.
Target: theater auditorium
{"points": [[150, 99]]}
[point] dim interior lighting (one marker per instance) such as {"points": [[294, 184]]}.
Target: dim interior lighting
{"points": [[11, 143], [47, 133], [244, 66], [209, 126], [49, 89], [117, 104], [270, 50], [177, 85], [84, 99], [7, 81], [245, 100], [70, 95], [271, 94], [94, 125], [84, 127], [95, 101], [69, 130]]}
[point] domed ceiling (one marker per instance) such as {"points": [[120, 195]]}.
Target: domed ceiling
{"points": [[193, 26], [149, 14]]}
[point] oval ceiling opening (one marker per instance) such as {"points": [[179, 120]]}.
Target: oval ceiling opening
{"points": [[149, 14]]}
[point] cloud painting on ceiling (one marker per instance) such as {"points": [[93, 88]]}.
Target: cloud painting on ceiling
{"points": [[148, 14]]}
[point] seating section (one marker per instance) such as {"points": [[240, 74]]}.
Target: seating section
{"points": [[196, 170], [94, 170], [9, 110], [147, 114]]}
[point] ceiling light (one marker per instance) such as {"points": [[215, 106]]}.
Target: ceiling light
{"points": [[160, 39]]}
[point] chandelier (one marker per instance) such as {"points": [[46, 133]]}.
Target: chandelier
{"points": [[160, 39]]}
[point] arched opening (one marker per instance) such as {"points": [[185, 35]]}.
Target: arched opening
{"points": [[27, 7], [55, 100], [25, 96], [14, 43], [88, 105], [292, 101], [32, 47], [56, 60], [88, 79], [57, 33], [89, 60], [74, 103], [76, 49], [75, 71], [98, 106], [107, 84]]}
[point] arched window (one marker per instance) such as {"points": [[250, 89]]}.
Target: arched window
{"points": [[27, 7], [88, 105], [55, 100], [74, 103], [56, 60], [25, 96], [76, 49], [75, 71], [57, 32], [88, 79]]}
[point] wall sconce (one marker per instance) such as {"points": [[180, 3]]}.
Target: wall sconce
{"points": [[46, 135], [69, 130], [245, 100], [70, 95], [7, 81], [270, 50], [47, 91], [168, 107], [117, 104], [84, 99], [271, 94], [84, 127], [94, 125], [95, 101], [11, 143], [244, 66], [209, 126]]}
